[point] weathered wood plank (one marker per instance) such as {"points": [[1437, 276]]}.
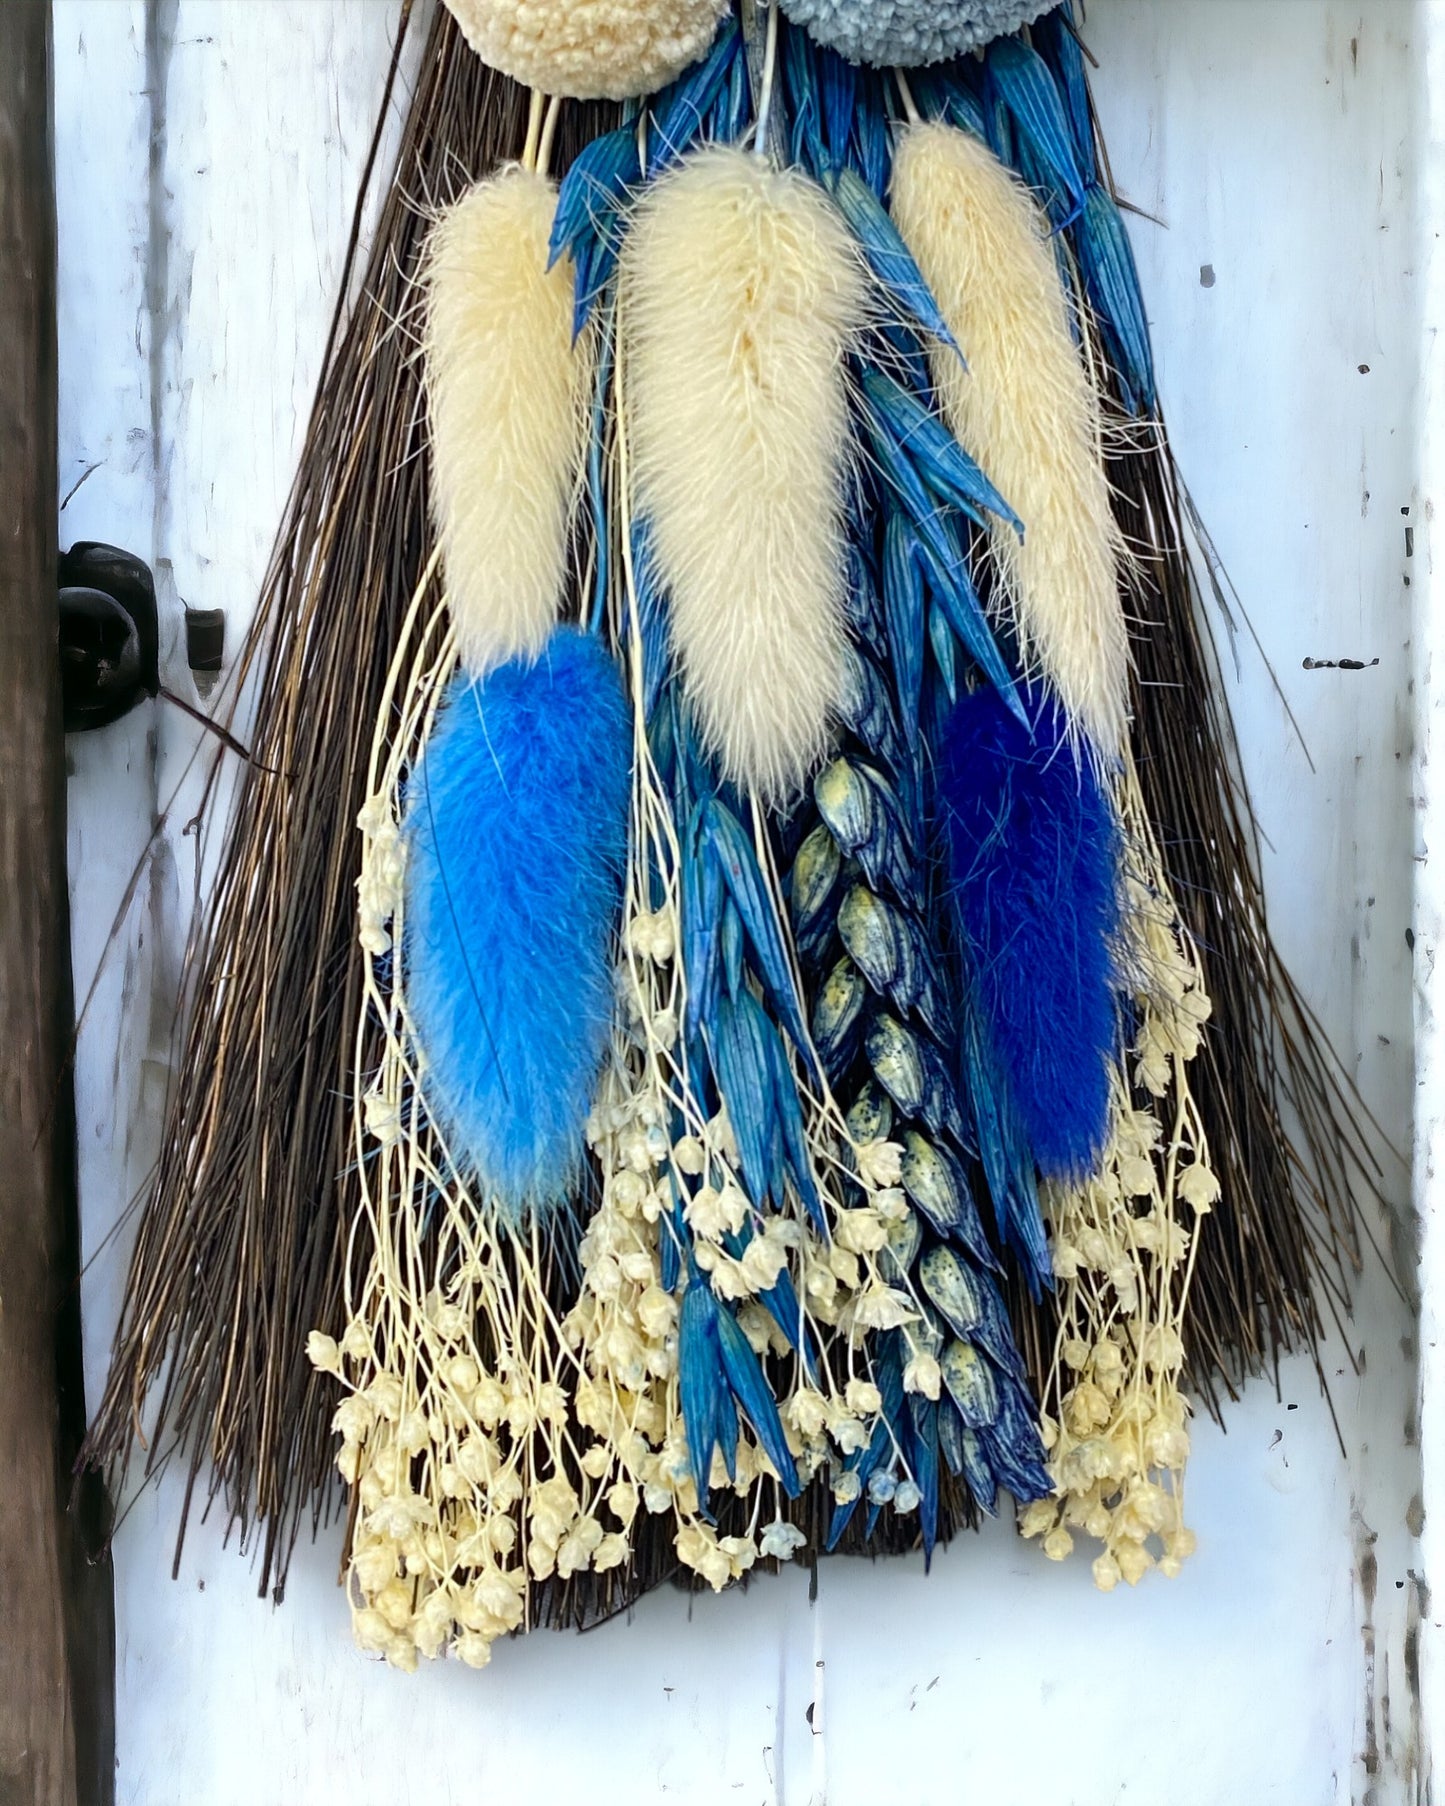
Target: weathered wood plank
{"points": [[56, 1730]]}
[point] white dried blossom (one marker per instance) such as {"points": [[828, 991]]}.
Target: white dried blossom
{"points": [[863, 1398], [780, 1540], [860, 1231], [382, 1116], [880, 1163], [922, 1374], [881, 1307]]}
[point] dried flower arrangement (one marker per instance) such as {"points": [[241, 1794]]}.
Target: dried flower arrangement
{"points": [[787, 1100]]}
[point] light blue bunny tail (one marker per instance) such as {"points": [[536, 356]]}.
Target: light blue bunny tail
{"points": [[516, 831]]}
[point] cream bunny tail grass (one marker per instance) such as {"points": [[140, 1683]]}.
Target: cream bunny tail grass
{"points": [[1025, 409], [506, 399], [742, 292]]}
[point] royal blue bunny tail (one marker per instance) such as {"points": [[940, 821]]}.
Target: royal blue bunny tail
{"points": [[1034, 850], [516, 832]]}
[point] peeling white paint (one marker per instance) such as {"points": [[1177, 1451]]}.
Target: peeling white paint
{"points": [[1284, 143]]}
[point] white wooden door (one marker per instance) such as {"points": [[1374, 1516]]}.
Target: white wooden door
{"points": [[208, 153]]}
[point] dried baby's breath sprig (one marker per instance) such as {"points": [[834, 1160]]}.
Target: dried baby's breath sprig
{"points": [[673, 1190], [1123, 1244]]}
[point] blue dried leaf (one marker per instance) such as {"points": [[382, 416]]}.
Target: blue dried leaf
{"points": [[805, 143], [870, 132], [997, 123], [865, 615], [994, 1334], [781, 1303], [596, 485], [945, 650], [1057, 41], [789, 1114], [886, 254], [952, 588], [838, 100], [1008, 1166], [1019, 1468], [732, 949], [745, 1079], [699, 1362], [1023, 81], [965, 110], [702, 901], [679, 111], [750, 1388], [724, 834], [651, 612], [745, 1082], [594, 191], [726, 1432], [1111, 281], [922, 1451], [940, 460], [904, 611], [736, 103]]}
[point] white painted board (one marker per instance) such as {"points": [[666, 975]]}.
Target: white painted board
{"points": [[207, 154]]}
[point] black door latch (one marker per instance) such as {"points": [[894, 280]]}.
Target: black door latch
{"points": [[109, 637]]}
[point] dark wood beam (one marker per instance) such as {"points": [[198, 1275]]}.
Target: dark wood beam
{"points": [[56, 1625]]}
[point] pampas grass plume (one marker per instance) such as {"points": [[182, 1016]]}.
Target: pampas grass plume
{"points": [[506, 398], [516, 831], [742, 292], [1025, 409]]}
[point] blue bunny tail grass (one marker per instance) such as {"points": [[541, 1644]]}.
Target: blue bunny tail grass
{"points": [[516, 833], [1034, 853]]}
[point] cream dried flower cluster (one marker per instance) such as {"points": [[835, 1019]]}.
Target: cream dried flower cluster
{"points": [[498, 1441], [1116, 1421]]}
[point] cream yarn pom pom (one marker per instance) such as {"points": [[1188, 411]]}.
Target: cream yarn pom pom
{"points": [[590, 49]]}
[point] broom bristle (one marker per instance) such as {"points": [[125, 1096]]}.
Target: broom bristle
{"points": [[742, 291], [1025, 409], [506, 400], [242, 1242]]}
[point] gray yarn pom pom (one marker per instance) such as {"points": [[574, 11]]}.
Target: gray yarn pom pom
{"points": [[907, 33]]}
